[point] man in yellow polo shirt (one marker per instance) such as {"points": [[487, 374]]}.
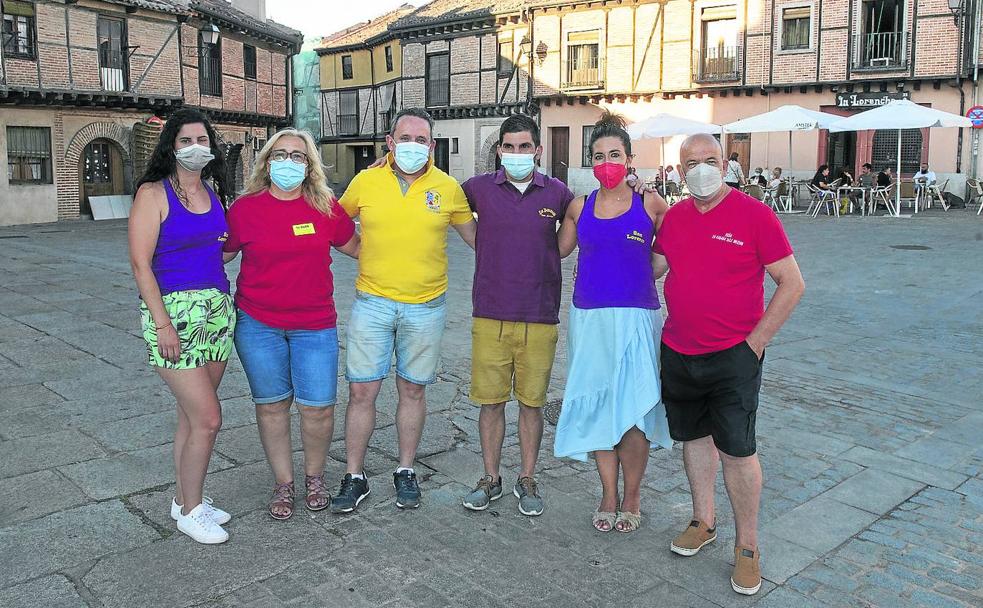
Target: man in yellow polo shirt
{"points": [[404, 207]]}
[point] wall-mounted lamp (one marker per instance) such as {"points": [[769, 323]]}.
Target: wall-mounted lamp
{"points": [[956, 8], [210, 34]]}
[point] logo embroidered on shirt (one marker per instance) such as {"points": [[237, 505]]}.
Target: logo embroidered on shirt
{"points": [[548, 213], [728, 238], [433, 201], [302, 229], [224, 237], [636, 236]]}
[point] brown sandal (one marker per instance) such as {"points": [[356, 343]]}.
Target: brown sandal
{"points": [[283, 500], [318, 497]]}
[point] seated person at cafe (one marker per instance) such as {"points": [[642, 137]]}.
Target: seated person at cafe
{"points": [[867, 176], [776, 178], [924, 176], [885, 178], [845, 178], [821, 179], [758, 178]]}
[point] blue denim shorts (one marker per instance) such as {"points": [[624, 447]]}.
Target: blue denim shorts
{"points": [[380, 326], [280, 363]]}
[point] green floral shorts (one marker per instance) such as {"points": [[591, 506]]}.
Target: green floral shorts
{"points": [[204, 320]]}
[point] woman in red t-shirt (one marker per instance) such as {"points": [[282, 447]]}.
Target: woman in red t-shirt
{"points": [[285, 225]]}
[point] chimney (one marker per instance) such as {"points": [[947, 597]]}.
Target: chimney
{"points": [[256, 8]]}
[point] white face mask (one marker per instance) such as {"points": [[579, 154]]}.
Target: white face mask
{"points": [[704, 181], [195, 157]]}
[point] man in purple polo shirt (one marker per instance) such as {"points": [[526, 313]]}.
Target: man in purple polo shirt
{"points": [[516, 298]]}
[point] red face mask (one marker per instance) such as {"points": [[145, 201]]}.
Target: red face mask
{"points": [[610, 174]]}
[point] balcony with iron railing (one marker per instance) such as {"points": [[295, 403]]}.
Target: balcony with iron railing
{"points": [[348, 124], [717, 64], [584, 74], [113, 70], [881, 50]]}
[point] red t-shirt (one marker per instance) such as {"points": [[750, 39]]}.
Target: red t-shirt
{"points": [[285, 277], [714, 291]]}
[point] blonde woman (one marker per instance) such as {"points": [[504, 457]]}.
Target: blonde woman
{"points": [[285, 225]]}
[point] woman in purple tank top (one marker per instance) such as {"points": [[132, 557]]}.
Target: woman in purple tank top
{"points": [[176, 232], [612, 401]]}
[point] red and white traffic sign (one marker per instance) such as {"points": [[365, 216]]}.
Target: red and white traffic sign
{"points": [[976, 115]]}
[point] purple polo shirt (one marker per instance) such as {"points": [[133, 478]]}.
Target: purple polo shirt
{"points": [[517, 259]]}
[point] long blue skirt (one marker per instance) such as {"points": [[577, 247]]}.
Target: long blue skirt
{"points": [[612, 381]]}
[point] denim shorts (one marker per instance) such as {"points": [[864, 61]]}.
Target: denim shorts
{"points": [[380, 326], [280, 363]]}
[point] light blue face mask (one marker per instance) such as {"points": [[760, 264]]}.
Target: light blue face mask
{"points": [[411, 156], [286, 174], [518, 166]]}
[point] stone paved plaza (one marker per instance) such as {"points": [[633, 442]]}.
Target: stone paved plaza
{"points": [[870, 435]]}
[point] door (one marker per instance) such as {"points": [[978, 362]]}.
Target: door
{"points": [[364, 156], [101, 169], [841, 152], [559, 152], [740, 143], [442, 154]]}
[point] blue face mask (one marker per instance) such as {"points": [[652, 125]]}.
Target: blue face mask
{"points": [[411, 156], [287, 174], [518, 166]]}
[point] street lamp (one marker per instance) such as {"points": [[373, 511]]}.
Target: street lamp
{"points": [[210, 33]]}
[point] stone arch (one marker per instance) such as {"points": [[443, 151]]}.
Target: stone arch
{"points": [[67, 172], [484, 161]]}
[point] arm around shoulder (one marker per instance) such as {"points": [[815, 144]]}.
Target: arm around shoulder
{"points": [[567, 236]]}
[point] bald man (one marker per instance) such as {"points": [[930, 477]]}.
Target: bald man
{"points": [[717, 246]]}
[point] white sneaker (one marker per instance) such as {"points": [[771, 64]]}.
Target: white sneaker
{"points": [[202, 528], [220, 516]]}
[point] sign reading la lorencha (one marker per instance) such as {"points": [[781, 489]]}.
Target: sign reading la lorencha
{"points": [[868, 100]]}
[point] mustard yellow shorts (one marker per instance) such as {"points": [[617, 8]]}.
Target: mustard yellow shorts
{"points": [[507, 355]]}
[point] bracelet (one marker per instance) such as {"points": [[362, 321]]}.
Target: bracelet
{"points": [[162, 326]]}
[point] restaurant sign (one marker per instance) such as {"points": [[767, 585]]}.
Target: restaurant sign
{"points": [[868, 100]]}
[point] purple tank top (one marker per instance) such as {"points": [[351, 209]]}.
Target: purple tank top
{"points": [[614, 266], [189, 247]]}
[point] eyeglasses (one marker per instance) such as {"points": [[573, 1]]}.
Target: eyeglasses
{"points": [[298, 157]]}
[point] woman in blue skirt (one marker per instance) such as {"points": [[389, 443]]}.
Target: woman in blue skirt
{"points": [[612, 403]]}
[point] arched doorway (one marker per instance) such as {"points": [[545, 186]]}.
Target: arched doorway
{"points": [[100, 172]]}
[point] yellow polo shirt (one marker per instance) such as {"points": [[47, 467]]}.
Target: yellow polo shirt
{"points": [[404, 237]]}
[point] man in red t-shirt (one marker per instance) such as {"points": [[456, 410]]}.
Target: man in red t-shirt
{"points": [[717, 246]]}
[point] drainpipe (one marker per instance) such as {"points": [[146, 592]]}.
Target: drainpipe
{"points": [[977, 4], [961, 24]]}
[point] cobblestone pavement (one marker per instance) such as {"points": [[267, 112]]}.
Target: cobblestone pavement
{"points": [[870, 431]]}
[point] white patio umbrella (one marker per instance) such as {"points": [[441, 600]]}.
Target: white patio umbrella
{"points": [[664, 125], [900, 114], [789, 118]]}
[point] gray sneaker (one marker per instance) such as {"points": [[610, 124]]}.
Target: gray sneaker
{"points": [[486, 491], [530, 502]]}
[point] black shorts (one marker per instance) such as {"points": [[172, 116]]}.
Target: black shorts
{"points": [[715, 394]]}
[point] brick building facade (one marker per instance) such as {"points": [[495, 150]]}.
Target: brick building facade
{"points": [[77, 77], [722, 60], [464, 62]]}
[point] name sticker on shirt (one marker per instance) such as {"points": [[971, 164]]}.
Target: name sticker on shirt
{"points": [[728, 238], [302, 229], [224, 237]]}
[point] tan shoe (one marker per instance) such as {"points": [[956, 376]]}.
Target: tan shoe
{"points": [[694, 538], [746, 579]]}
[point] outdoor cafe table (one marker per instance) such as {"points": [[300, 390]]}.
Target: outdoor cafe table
{"points": [[846, 190]]}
